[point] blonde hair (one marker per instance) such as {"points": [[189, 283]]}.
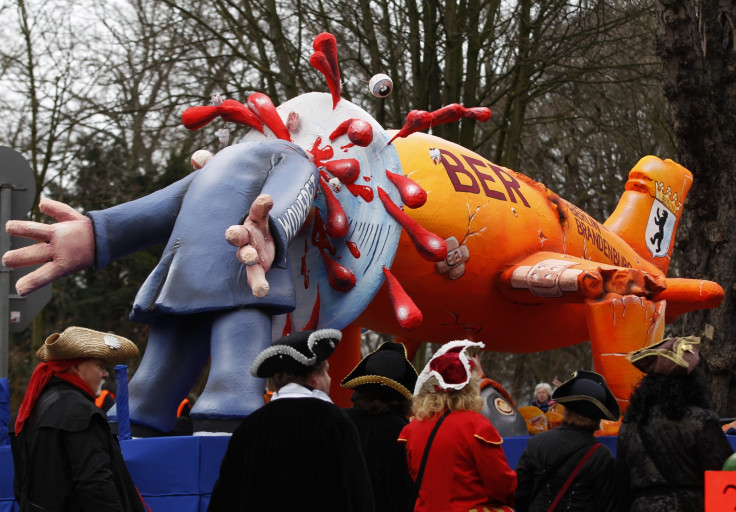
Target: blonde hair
{"points": [[428, 404]]}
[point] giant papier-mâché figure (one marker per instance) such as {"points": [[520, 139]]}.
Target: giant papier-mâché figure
{"points": [[320, 218]]}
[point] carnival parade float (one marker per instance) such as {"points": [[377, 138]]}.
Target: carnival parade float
{"points": [[398, 231]]}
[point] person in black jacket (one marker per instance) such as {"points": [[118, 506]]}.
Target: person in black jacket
{"points": [[64, 455], [548, 463], [299, 451], [383, 383], [669, 437]]}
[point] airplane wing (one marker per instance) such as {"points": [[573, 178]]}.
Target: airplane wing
{"points": [[627, 308], [554, 277]]}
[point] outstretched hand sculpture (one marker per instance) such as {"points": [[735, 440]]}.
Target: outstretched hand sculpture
{"points": [[477, 251]]}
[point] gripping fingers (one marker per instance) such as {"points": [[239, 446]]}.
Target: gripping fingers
{"points": [[237, 235], [248, 255], [255, 273], [260, 209]]}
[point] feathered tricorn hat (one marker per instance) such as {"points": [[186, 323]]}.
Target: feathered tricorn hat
{"points": [[296, 353], [385, 367], [673, 356], [587, 393], [450, 368]]}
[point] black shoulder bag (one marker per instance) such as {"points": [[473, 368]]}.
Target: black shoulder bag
{"points": [[420, 473]]}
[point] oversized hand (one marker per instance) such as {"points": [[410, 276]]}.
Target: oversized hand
{"points": [[65, 247], [256, 248]]}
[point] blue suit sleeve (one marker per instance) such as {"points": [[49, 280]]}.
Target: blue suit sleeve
{"points": [[137, 224]]}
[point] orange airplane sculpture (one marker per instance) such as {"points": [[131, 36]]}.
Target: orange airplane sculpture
{"points": [[527, 271]]}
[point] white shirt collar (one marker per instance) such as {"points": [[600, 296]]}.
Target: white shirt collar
{"points": [[294, 390]]}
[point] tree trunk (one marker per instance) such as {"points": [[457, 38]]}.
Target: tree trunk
{"points": [[695, 40]]}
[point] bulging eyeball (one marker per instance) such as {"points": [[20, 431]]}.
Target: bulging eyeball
{"points": [[381, 85]]}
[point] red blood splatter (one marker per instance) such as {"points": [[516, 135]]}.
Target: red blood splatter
{"points": [[366, 193], [314, 319], [305, 271], [339, 276], [416, 121], [263, 108], [411, 194], [321, 154], [353, 248], [324, 60], [287, 325], [231, 111], [337, 221], [366, 178], [319, 235], [346, 170], [428, 245], [407, 313], [359, 131]]}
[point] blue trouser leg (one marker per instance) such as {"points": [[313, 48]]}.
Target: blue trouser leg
{"points": [[238, 336], [176, 353]]}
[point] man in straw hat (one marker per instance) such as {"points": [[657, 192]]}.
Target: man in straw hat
{"points": [[383, 383], [566, 468], [669, 437], [299, 451], [65, 457]]}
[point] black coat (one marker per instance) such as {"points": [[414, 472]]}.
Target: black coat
{"points": [[294, 454], [386, 458], [548, 460], [684, 450], [66, 459]]}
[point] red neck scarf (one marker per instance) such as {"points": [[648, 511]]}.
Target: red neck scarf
{"points": [[41, 376]]}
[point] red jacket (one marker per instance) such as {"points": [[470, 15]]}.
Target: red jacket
{"points": [[466, 467]]}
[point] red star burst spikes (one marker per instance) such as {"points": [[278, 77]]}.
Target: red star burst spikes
{"points": [[324, 60], [420, 120], [260, 111]]}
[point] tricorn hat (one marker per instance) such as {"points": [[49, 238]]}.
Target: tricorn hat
{"points": [[673, 356], [296, 353], [79, 342], [449, 369], [587, 394], [387, 366]]}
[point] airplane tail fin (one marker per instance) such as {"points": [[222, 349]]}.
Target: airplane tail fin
{"points": [[649, 211]]}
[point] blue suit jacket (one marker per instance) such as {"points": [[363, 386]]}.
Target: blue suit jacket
{"points": [[199, 270]]}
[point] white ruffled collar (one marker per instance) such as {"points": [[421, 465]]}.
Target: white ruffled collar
{"points": [[294, 390]]}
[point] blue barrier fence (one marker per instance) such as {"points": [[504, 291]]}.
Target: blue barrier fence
{"points": [[176, 474]]}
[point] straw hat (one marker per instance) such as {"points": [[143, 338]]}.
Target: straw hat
{"points": [[79, 342], [296, 353], [387, 367]]}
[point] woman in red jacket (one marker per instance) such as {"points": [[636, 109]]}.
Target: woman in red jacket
{"points": [[466, 468]]}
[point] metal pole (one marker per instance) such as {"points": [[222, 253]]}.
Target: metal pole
{"points": [[5, 198]]}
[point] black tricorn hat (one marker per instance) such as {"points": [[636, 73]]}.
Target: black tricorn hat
{"points": [[385, 367], [587, 394], [673, 356], [296, 353]]}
